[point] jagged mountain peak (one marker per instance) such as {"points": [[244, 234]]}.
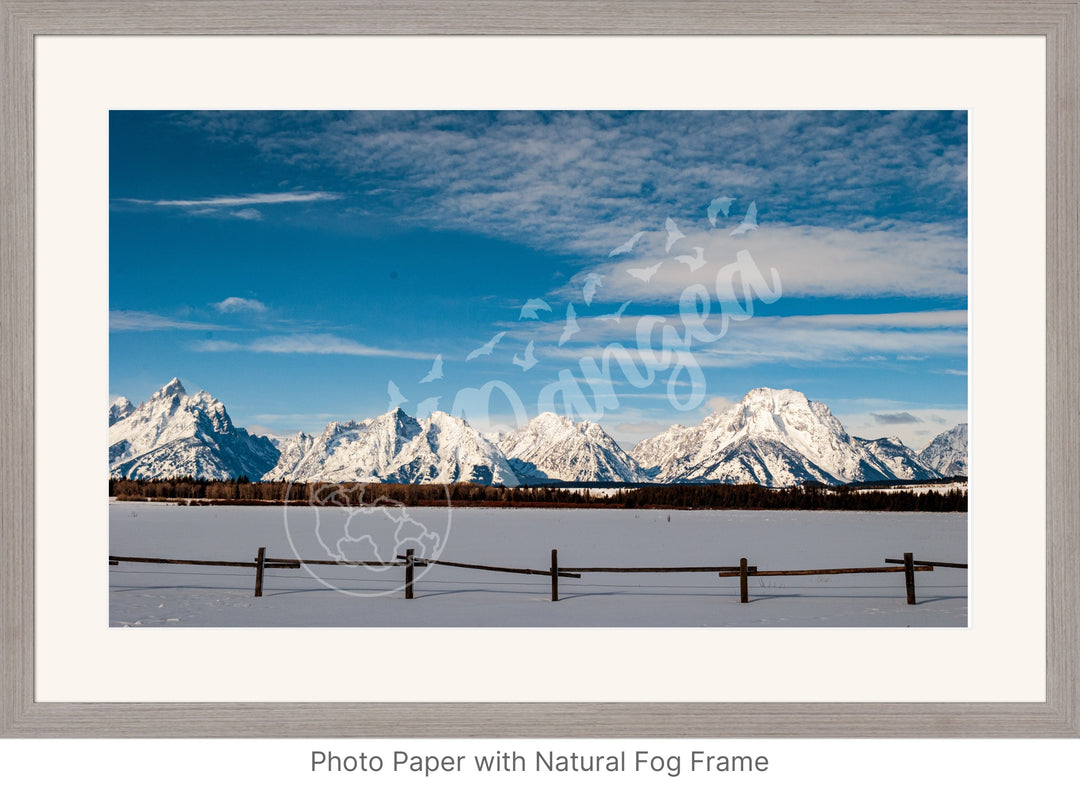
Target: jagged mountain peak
{"points": [[119, 409], [776, 398], [174, 435], [443, 417], [174, 387], [554, 448], [775, 437], [398, 448], [947, 452], [396, 417]]}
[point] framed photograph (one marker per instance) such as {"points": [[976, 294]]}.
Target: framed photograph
{"points": [[356, 296]]}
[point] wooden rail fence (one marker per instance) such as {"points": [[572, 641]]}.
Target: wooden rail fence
{"points": [[909, 568], [259, 564], [410, 563]]}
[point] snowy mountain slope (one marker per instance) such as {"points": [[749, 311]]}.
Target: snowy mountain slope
{"points": [[292, 452], [774, 437], [763, 461], [449, 450], [551, 447], [896, 458], [947, 452], [175, 435], [119, 409], [346, 451], [394, 448]]}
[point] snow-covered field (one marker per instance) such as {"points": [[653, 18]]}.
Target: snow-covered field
{"points": [[327, 596]]}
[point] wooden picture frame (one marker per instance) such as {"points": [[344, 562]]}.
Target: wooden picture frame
{"points": [[22, 716]]}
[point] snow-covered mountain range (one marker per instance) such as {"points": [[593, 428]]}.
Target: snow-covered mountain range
{"points": [[174, 434], [394, 448], [772, 437]]}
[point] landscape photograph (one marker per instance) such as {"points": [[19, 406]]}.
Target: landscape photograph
{"points": [[550, 368]]}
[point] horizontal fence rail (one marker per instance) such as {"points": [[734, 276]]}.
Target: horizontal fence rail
{"points": [[410, 562], [542, 572], [812, 572], [371, 563], [280, 564], [931, 563], [259, 564], [654, 569]]}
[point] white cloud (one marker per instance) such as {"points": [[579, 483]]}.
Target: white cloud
{"points": [[242, 200], [585, 182], [234, 304], [719, 403], [774, 342], [795, 338], [327, 344], [225, 206], [922, 260], [321, 344], [126, 320], [946, 318]]}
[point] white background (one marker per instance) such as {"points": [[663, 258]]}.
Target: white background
{"points": [[1000, 657]]}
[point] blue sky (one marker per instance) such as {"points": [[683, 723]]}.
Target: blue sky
{"points": [[307, 267]]}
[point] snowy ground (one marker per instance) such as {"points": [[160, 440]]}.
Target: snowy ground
{"points": [[160, 595]]}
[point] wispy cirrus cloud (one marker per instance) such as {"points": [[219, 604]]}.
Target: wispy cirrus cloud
{"points": [[772, 342], [243, 200], [902, 336], [585, 181], [244, 206], [127, 320], [945, 318], [316, 344]]}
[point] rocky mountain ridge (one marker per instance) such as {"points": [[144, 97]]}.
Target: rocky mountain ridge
{"points": [[772, 437]]}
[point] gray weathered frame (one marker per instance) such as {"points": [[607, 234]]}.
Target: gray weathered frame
{"points": [[22, 20]]}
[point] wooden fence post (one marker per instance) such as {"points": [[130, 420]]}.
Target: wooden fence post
{"points": [[260, 561], [554, 575], [409, 573], [744, 586], [909, 576]]}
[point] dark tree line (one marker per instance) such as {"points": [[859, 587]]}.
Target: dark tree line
{"points": [[716, 496], [803, 498]]}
